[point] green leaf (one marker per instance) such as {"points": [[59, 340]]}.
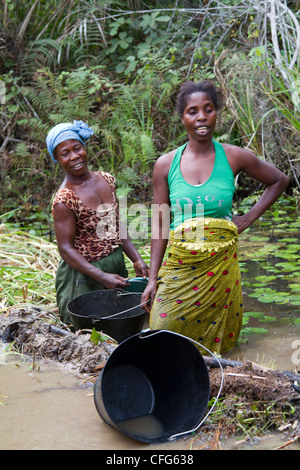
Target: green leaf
{"points": [[96, 337], [123, 44], [268, 319], [163, 18], [295, 287], [248, 330], [254, 314], [266, 278]]}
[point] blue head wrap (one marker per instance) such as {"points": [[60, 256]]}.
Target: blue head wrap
{"points": [[79, 130]]}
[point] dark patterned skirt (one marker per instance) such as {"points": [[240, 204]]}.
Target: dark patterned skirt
{"points": [[70, 283]]}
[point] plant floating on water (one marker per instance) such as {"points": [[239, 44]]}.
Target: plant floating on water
{"points": [[262, 317], [250, 330]]}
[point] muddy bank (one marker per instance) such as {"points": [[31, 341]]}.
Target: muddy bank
{"points": [[34, 333], [248, 389]]}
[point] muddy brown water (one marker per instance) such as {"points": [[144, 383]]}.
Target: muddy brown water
{"points": [[51, 408]]}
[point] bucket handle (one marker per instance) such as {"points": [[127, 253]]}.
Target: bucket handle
{"points": [[124, 311], [171, 438], [121, 292]]}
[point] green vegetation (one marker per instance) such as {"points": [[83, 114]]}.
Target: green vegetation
{"points": [[270, 253], [250, 418], [27, 269], [118, 66]]}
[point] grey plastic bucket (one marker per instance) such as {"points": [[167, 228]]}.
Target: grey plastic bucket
{"points": [[154, 387]]}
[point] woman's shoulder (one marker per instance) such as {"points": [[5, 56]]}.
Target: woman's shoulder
{"points": [[239, 158], [63, 194], [106, 176], [67, 197], [235, 151], [164, 161], [64, 197], [162, 166]]}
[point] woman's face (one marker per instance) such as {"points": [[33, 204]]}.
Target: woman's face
{"points": [[72, 156], [199, 116]]}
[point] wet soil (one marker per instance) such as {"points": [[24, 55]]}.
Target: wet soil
{"points": [[34, 334]]}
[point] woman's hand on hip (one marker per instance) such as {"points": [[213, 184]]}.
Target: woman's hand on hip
{"points": [[241, 222]]}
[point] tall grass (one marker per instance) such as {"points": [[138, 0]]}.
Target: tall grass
{"points": [[28, 266], [27, 269]]}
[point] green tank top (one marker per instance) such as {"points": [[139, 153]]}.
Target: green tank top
{"points": [[210, 199]]}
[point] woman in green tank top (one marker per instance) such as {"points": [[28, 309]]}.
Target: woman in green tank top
{"points": [[197, 290]]}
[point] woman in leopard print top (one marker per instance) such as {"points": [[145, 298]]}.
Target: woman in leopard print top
{"points": [[86, 222]]}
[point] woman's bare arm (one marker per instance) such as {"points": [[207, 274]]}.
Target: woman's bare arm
{"points": [[274, 180], [160, 225], [65, 227]]}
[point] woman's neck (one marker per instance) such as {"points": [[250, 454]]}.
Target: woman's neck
{"points": [[77, 180], [197, 147]]}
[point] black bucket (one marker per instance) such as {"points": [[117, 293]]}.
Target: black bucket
{"points": [[98, 310], [154, 387]]}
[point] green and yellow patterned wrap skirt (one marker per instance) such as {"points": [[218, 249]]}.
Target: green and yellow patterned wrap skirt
{"points": [[199, 286]]}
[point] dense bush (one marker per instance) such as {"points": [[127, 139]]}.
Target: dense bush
{"points": [[118, 66]]}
